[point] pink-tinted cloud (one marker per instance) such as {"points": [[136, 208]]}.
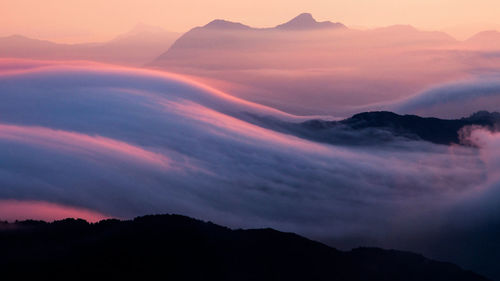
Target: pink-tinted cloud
{"points": [[94, 147], [12, 210], [126, 142], [456, 99], [97, 136]]}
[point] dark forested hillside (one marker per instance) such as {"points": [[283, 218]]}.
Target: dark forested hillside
{"points": [[173, 247]]}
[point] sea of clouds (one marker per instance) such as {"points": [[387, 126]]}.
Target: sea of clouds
{"points": [[125, 142]]}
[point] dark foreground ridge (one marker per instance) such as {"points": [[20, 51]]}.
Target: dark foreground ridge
{"points": [[379, 127], [173, 247]]}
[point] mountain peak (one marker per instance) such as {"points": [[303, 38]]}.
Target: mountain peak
{"points": [[306, 21], [485, 35], [304, 17], [224, 24]]}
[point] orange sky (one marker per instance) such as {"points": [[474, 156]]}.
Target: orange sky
{"points": [[97, 20]]}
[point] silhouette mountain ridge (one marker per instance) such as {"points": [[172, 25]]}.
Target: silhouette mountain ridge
{"points": [[306, 21], [181, 248]]}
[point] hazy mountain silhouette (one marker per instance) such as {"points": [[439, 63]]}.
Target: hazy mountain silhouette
{"points": [[221, 35], [409, 35], [279, 66], [489, 40], [136, 47], [223, 24], [306, 21], [180, 248]]}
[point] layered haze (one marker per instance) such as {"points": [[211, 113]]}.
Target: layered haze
{"points": [[305, 66], [308, 67], [141, 44]]}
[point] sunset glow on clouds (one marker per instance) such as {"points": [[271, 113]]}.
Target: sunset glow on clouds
{"points": [[33, 210], [338, 71], [126, 142], [454, 100], [259, 114]]}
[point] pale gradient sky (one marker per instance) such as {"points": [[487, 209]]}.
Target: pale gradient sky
{"points": [[96, 20]]}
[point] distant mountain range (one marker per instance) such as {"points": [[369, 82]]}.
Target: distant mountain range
{"points": [[302, 22], [308, 67], [173, 247], [302, 66], [486, 40], [232, 39], [136, 47], [305, 21]]}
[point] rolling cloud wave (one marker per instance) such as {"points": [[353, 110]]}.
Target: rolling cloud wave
{"points": [[455, 99], [124, 142]]}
